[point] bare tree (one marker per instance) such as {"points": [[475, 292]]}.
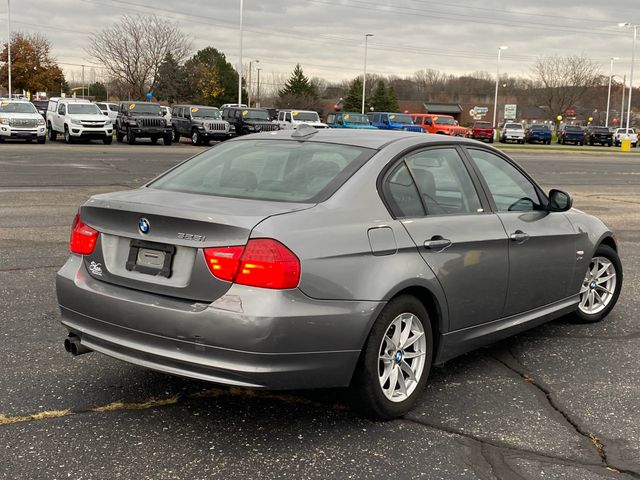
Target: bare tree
{"points": [[562, 81], [133, 50]]}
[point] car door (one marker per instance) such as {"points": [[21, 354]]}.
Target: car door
{"points": [[542, 245], [58, 119], [436, 198]]}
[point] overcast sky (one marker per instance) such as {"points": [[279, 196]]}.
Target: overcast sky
{"points": [[327, 36]]}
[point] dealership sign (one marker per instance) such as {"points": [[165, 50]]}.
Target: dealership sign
{"points": [[478, 112], [510, 111]]}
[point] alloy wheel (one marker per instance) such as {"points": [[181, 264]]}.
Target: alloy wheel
{"points": [[598, 286], [401, 357]]}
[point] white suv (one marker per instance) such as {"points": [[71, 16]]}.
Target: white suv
{"points": [[20, 119], [622, 134], [512, 132], [109, 110], [77, 119], [292, 119]]}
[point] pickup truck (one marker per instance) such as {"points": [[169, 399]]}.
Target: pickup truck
{"points": [[622, 134], [538, 133], [77, 119], [482, 131], [571, 134], [512, 132], [600, 135], [440, 124]]}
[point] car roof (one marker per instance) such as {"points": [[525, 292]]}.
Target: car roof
{"points": [[194, 106], [136, 102], [375, 139]]}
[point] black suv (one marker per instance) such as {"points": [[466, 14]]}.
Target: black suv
{"points": [[201, 124], [142, 120], [601, 135], [249, 120]]}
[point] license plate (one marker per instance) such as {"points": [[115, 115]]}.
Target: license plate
{"points": [[150, 258]]}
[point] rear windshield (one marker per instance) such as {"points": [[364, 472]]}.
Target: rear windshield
{"points": [[84, 108], [279, 170], [573, 128], [539, 127], [514, 126], [601, 130], [482, 125], [17, 107]]}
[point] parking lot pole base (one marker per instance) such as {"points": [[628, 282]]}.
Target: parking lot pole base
{"points": [[625, 145]]}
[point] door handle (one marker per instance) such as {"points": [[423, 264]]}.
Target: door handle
{"points": [[437, 243], [519, 236]]}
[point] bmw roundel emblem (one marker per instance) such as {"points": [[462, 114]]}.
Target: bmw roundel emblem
{"points": [[144, 225]]}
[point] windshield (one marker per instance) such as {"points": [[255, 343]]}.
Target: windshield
{"points": [[356, 118], [601, 130], [278, 170], [539, 127], [198, 112], [514, 126], [17, 107], [400, 118], [84, 108], [305, 116], [145, 108], [444, 120], [624, 130], [482, 125], [256, 115]]}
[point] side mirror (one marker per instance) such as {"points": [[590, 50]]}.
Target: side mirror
{"points": [[105, 114], [559, 201]]}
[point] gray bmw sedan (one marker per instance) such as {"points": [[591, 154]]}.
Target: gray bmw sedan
{"points": [[330, 258]]}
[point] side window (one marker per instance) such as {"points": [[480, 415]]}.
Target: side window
{"points": [[427, 121], [287, 117], [402, 193], [444, 182], [101, 106], [331, 118], [281, 116], [61, 109], [510, 189]]}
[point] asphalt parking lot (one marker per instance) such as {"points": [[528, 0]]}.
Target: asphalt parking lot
{"points": [[559, 402]]}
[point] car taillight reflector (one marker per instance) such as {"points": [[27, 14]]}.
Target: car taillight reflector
{"points": [[263, 262], [83, 237]]}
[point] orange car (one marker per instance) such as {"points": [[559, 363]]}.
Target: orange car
{"points": [[440, 124]]}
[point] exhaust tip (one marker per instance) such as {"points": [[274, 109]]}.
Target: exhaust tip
{"points": [[67, 345], [73, 345]]}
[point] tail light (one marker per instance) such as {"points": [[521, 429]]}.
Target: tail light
{"points": [[263, 262], [83, 237]]}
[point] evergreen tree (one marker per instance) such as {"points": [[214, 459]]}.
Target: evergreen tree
{"points": [[299, 85], [353, 100], [170, 80], [392, 100], [380, 99], [98, 91]]}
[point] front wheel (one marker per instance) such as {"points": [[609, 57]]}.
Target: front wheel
{"points": [[601, 286], [196, 138], [131, 137], [396, 359], [67, 135], [107, 140], [168, 139], [42, 139]]}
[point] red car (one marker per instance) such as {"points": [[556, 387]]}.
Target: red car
{"points": [[482, 131]]}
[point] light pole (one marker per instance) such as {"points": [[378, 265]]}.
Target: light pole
{"points": [[624, 86], [495, 98], [606, 122], [240, 67], [9, 44], [364, 78], [249, 83], [258, 96], [633, 57]]}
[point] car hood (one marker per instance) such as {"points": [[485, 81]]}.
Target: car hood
{"points": [[34, 116]]}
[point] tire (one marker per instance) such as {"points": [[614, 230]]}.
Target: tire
{"points": [[67, 135], [41, 140], [581, 143], [119, 136], [153, 140], [176, 135], [589, 309], [131, 138], [196, 138], [108, 140], [367, 386], [53, 135], [168, 139], [609, 144], [491, 140]]}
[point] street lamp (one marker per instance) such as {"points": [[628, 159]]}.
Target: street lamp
{"points": [[9, 44], [249, 82], [606, 122], [240, 67], [258, 96], [633, 57], [495, 98], [364, 78]]}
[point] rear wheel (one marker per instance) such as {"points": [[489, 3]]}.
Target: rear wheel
{"points": [[396, 359], [176, 135], [601, 286], [52, 133], [131, 137], [119, 136]]}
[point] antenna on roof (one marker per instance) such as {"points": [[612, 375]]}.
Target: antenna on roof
{"points": [[304, 130]]}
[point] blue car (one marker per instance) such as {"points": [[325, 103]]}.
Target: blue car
{"points": [[538, 133], [349, 120], [393, 121]]}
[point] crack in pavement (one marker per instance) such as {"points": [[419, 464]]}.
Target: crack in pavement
{"points": [[19, 269], [513, 364]]}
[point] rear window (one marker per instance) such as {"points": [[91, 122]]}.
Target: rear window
{"points": [[513, 126], [601, 130], [573, 128], [482, 125], [279, 170]]}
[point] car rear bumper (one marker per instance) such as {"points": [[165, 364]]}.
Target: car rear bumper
{"points": [[249, 337]]}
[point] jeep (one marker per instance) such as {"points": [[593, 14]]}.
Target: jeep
{"points": [[393, 121], [142, 120], [249, 120], [201, 124]]}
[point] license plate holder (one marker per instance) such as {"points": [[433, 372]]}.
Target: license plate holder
{"points": [[150, 258]]}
